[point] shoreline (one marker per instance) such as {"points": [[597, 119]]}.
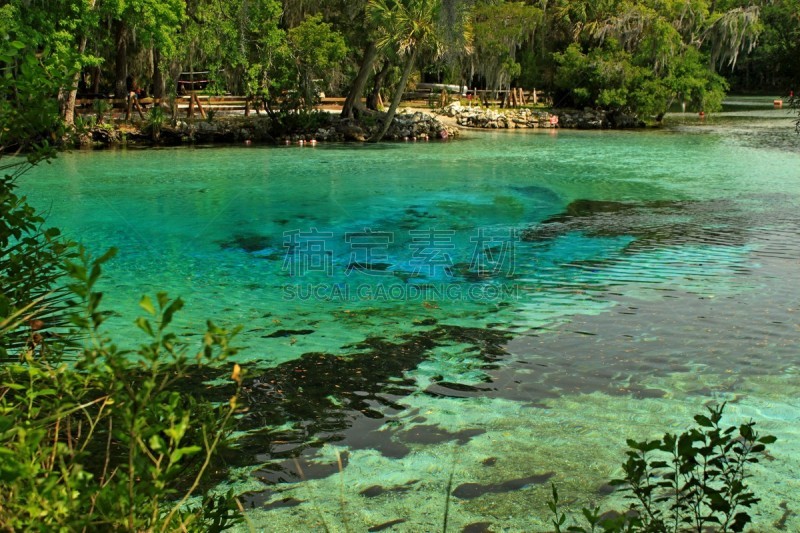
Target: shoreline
{"points": [[410, 124]]}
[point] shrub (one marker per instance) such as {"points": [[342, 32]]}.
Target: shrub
{"points": [[694, 481], [92, 436], [112, 441]]}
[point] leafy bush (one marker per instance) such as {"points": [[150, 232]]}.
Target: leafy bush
{"points": [[112, 441], [92, 436], [101, 107], [154, 122], [300, 121], [695, 481], [33, 308]]}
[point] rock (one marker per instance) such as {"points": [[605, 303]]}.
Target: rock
{"points": [[352, 132]]}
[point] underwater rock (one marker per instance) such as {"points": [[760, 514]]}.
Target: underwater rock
{"points": [[431, 434], [343, 399], [248, 243], [302, 468], [282, 504], [478, 527], [605, 489], [288, 333], [259, 499], [655, 224], [469, 491], [452, 390], [376, 490], [373, 492], [387, 525]]}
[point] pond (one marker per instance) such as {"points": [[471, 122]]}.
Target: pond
{"points": [[479, 318]]}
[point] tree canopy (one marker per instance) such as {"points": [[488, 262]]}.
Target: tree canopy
{"points": [[634, 55]]}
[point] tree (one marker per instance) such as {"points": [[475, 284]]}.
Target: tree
{"points": [[360, 81], [641, 57], [61, 27], [500, 31], [410, 25], [316, 50], [239, 43], [773, 63]]}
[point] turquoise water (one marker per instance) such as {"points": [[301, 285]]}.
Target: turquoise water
{"points": [[500, 312]]}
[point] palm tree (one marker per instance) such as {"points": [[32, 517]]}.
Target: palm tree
{"points": [[410, 25]]}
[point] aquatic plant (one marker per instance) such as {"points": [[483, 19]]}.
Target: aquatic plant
{"points": [[694, 481]]}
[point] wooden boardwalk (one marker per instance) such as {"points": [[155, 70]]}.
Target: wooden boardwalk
{"points": [[194, 103]]}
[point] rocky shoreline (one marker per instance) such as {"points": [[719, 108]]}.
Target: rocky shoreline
{"points": [[313, 127], [327, 127], [484, 118]]}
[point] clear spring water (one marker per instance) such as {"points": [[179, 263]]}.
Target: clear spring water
{"points": [[492, 314]]}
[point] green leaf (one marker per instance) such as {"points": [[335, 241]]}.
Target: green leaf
{"points": [[703, 421], [174, 307], [156, 443], [163, 299], [147, 304], [178, 454], [143, 324]]}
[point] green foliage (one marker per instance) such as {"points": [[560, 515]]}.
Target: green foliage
{"points": [[29, 82], [642, 56], [154, 122], [114, 441], [243, 38], [612, 78], [33, 310], [316, 50], [500, 31], [695, 481], [92, 437], [32, 307], [407, 24], [300, 121], [101, 107], [773, 63]]}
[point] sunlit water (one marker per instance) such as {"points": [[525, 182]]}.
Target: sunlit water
{"points": [[489, 315]]}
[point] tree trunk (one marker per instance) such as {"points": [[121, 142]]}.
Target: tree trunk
{"points": [[159, 83], [121, 66], [398, 95], [68, 95], [309, 98], [377, 85], [354, 96], [95, 80]]}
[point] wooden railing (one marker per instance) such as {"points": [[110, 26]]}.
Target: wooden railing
{"points": [[201, 103]]}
